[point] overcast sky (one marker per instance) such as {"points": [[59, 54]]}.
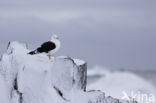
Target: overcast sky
{"points": [[111, 33]]}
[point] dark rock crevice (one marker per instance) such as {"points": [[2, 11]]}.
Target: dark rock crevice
{"points": [[60, 94], [15, 88]]}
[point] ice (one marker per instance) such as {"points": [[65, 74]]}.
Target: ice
{"points": [[38, 79]]}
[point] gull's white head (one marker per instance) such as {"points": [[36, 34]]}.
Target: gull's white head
{"points": [[57, 42], [54, 38]]}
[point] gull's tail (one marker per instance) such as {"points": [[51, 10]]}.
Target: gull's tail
{"points": [[32, 52]]}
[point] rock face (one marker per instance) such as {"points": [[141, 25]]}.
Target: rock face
{"points": [[36, 79], [70, 75]]}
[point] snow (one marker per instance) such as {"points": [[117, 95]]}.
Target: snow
{"points": [[79, 62], [4, 97], [37, 76], [32, 73], [115, 83], [87, 97], [28, 78], [36, 84]]}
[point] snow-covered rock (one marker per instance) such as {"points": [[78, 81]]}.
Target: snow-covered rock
{"points": [[67, 75], [36, 79], [4, 94]]}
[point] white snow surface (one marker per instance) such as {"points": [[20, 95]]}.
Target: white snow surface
{"points": [[117, 82], [4, 94], [79, 62], [28, 78], [33, 76], [36, 78]]}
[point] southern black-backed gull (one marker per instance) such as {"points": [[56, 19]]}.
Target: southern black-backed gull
{"points": [[49, 47]]}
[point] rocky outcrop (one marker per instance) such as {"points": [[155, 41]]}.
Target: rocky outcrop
{"points": [[36, 79]]}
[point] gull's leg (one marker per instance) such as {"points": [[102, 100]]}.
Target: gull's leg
{"points": [[49, 55]]}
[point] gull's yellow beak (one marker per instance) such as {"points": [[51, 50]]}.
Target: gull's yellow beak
{"points": [[57, 38]]}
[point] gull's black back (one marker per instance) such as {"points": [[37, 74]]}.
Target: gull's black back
{"points": [[45, 47]]}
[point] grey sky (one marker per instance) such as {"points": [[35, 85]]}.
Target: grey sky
{"points": [[112, 33]]}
